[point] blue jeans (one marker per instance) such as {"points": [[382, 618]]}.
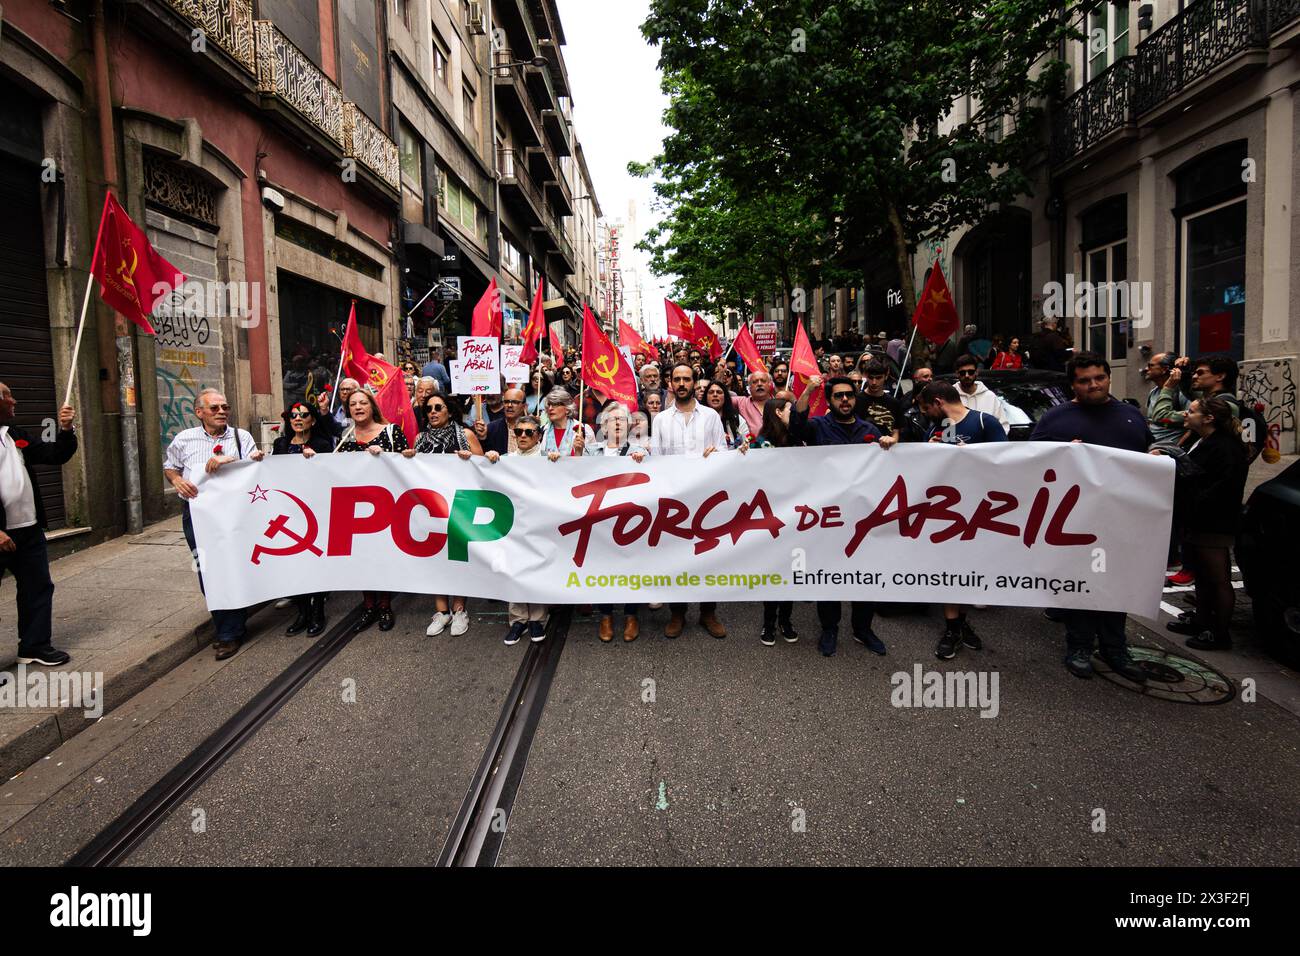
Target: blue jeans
{"points": [[229, 623], [30, 566]]}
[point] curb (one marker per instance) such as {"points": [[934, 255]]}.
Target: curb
{"points": [[51, 729]]}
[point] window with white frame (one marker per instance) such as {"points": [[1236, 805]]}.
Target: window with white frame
{"points": [[1107, 37]]}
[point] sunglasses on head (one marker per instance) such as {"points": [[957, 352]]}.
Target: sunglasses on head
{"points": [[524, 432]]}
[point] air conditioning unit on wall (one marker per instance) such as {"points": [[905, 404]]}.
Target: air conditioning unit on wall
{"points": [[474, 19]]}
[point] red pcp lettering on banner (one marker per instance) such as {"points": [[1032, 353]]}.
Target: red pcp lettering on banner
{"points": [[432, 502], [911, 519], [344, 521], [631, 520]]}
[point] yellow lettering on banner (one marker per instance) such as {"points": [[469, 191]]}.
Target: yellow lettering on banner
{"points": [[573, 581]]}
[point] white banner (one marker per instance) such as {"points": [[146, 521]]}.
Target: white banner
{"points": [[1028, 524]]}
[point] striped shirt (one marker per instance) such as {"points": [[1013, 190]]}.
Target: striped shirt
{"points": [[191, 449]]}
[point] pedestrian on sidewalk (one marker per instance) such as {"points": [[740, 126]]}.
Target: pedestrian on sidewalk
{"points": [[1208, 489], [445, 435], [208, 447], [370, 433], [305, 433], [23, 552], [1095, 417]]}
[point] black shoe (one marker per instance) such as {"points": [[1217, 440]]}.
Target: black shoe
{"points": [[48, 655], [1055, 615], [317, 617], [1188, 627], [300, 623], [788, 632], [1079, 663], [969, 638], [767, 637], [826, 643], [1206, 641], [515, 633], [386, 619], [946, 649], [871, 642], [227, 649], [1124, 666], [368, 617]]}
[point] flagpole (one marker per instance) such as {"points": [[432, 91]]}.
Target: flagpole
{"points": [[85, 303], [906, 355], [334, 392]]}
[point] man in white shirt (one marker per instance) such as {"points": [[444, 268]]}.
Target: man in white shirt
{"points": [[208, 447], [688, 428], [977, 396], [23, 552]]}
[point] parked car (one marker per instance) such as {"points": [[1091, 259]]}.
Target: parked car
{"points": [[1269, 558], [1027, 393]]}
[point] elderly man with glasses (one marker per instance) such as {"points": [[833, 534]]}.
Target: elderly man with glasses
{"points": [[208, 447], [499, 435]]}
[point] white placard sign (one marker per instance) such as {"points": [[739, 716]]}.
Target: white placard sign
{"points": [[480, 365], [516, 372]]}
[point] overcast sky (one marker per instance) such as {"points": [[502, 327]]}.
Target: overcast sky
{"points": [[617, 110]]}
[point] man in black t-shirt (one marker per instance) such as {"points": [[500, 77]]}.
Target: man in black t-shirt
{"points": [[877, 406]]}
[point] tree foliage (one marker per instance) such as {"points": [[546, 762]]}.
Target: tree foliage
{"points": [[847, 118]]}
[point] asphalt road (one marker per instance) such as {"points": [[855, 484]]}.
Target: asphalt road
{"points": [[700, 751]]}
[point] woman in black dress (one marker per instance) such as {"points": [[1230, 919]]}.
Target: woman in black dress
{"points": [[370, 433], [303, 434]]}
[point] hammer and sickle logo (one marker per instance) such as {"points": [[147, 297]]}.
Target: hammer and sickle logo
{"points": [[378, 378], [602, 367], [279, 525], [127, 275]]}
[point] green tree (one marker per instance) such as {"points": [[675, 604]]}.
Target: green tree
{"points": [[858, 108]]}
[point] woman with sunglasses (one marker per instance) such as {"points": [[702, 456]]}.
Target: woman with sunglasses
{"points": [[303, 434], [564, 436], [443, 434], [569, 379], [525, 617], [369, 432]]}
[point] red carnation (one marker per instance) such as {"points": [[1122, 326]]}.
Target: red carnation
{"points": [[21, 442], [216, 449], [868, 438]]}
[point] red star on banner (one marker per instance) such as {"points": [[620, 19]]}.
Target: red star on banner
{"points": [[258, 493]]}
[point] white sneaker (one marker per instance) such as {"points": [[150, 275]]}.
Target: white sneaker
{"points": [[439, 623], [459, 623]]}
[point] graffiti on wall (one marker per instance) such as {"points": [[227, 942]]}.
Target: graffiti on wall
{"points": [[1271, 384]]}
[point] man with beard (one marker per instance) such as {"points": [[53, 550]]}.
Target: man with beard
{"points": [[839, 426], [780, 376], [688, 427]]}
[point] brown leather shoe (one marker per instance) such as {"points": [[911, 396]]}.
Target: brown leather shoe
{"points": [[607, 628], [675, 625], [227, 649], [711, 624], [631, 628]]}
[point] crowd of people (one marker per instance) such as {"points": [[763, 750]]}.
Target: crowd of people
{"points": [[689, 406]]}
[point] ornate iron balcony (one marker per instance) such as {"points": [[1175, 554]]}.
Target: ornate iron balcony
{"points": [[227, 23], [286, 71], [1093, 112], [1193, 44], [367, 143], [1281, 12]]}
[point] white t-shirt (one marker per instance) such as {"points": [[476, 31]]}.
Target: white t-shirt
{"points": [[15, 490]]}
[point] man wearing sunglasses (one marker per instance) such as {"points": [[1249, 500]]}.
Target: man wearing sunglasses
{"points": [[840, 426], [977, 396], [206, 448], [499, 435]]}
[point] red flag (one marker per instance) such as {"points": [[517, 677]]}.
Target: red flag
{"points": [[936, 315], [603, 368], [386, 380], [636, 345], [703, 337], [132, 276], [557, 347], [533, 331], [803, 366], [487, 314], [678, 324], [747, 349]]}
